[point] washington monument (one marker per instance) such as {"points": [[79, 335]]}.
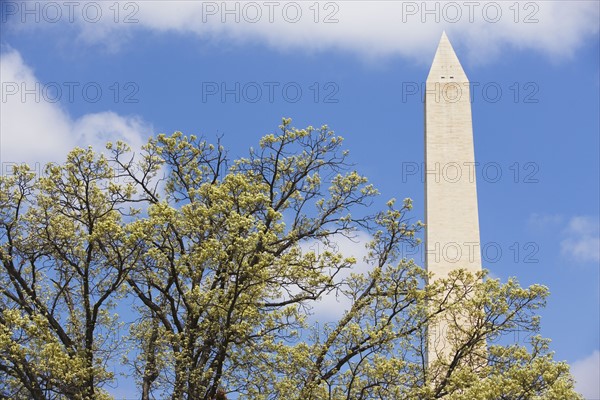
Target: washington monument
{"points": [[451, 217]]}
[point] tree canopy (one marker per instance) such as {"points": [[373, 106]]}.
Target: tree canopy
{"points": [[195, 274]]}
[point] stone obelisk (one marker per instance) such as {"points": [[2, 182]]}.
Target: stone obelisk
{"points": [[451, 217]]}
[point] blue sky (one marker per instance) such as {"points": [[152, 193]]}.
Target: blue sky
{"points": [[190, 66]]}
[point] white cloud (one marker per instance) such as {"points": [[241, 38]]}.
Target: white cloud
{"points": [[35, 130], [579, 235], [586, 373], [368, 28], [582, 239], [99, 128], [32, 130]]}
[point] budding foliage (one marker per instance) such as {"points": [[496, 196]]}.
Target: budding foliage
{"points": [[222, 262]]}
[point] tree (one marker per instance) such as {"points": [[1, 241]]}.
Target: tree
{"points": [[65, 254], [214, 255]]}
